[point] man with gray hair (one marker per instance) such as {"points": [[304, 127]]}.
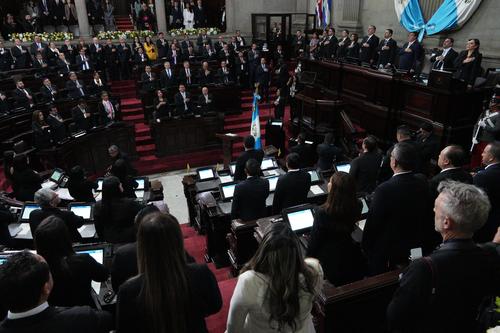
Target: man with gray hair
{"points": [[48, 201], [442, 292]]}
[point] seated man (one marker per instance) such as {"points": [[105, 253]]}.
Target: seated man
{"points": [[25, 286], [292, 188], [205, 101], [327, 152], [148, 79], [75, 87], [364, 168], [48, 91], [81, 116], [83, 62], [303, 149], [186, 75], [48, 201], [224, 74], [183, 101], [63, 65], [453, 281], [23, 96], [249, 200], [107, 109], [57, 126], [249, 153], [39, 64]]}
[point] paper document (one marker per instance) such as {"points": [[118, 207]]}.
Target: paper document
{"points": [[361, 224], [315, 189]]}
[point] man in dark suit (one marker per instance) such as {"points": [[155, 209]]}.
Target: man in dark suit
{"points": [[48, 91], [292, 188], [167, 77], [38, 47], [124, 57], [21, 55], [283, 75], [249, 153], [343, 44], [23, 96], [387, 50], [327, 152], [328, 46], [162, 46], [205, 101], [200, 17], [205, 75], [5, 58], [174, 55], [399, 214], [57, 12], [81, 116], [428, 144], [40, 65], [203, 40], [186, 43], [263, 77], [453, 281], [190, 54], [451, 161], [25, 286], [69, 51], [44, 8], [141, 60], [148, 79], [83, 62], [410, 54], [303, 149], [48, 201], [279, 54], [279, 104], [75, 87], [249, 200], [364, 168], [182, 100], [369, 44], [224, 74], [186, 75], [63, 65], [219, 44], [57, 126], [208, 53], [253, 62], [489, 180], [444, 59], [96, 54], [299, 43]]}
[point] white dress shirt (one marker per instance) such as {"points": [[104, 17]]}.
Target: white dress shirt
{"points": [[19, 315]]}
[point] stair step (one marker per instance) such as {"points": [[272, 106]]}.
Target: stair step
{"points": [[134, 118], [143, 140]]}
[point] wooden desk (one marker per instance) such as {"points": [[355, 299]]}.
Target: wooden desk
{"points": [[184, 135], [380, 102]]}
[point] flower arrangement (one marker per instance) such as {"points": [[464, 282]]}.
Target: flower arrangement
{"points": [[127, 34], [193, 32], [46, 36]]}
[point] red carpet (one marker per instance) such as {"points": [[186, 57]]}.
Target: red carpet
{"points": [[123, 23]]}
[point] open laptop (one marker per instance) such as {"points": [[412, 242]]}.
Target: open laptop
{"points": [[273, 181], [26, 211], [299, 218], [227, 191], [315, 177], [142, 183], [232, 168], [54, 180], [343, 167], [206, 174], [99, 184], [268, 163], [84, 210]]}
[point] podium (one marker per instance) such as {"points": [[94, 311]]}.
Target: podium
{"points": [[227, 146]]}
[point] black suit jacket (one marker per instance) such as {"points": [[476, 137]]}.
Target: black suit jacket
{"points": [[80, 63], [202, 102], [305, 152], [463, 275], [62, 67], [448, 63], [180, 107], [205, 79], [47, 94], [398, 220], [239, 172], [57, 129], [80, 319], [387, 56], [262, 76], [73, 91], [72, 221], [364, 169], [103, 114], [21, 60], [459, 175], [124, 53], [165, 80], [21, 99], [468, 72], [489, 180], [369, 54], [183, 76], [249, 200], [429, 148], [162, 48], [409, 60], [147, 83], [81, 122], [291, 190], [25, 183], [5, 60], [205, 299]]}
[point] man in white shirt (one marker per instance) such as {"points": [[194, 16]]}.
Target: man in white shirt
{"points": [[183, 101], [444, 60], [83, 62], [23, 96], [205, 101], [107, 111], [185, 75]]}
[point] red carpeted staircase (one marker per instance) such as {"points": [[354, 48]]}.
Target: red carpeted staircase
{"points": [[123, 23]]}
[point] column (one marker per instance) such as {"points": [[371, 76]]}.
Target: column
{"points": [[346, 14], [83, 19], [161, 18]]}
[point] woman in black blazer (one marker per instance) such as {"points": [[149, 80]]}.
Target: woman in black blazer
{"points": [[25, 181], [168, 295], [162, 109], [353, 47], [114, 214], [79, 187], [468, 63], [72, 273], [331, 242], [41, 131]]}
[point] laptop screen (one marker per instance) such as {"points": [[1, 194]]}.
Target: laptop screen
{"points": [[228, 191], [314, 176], [2, 260], [84, 211], [365, 206], [206, 174], [267, 163], [56, 175], [272, 183], [344, 167], [232, 168], [97, 254], [301, 220], [28, 208], [139, 194], [141, 183], [99, 184]]}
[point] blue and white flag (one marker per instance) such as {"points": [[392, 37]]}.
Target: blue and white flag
{"points": [[327, 12], [450, 15], [255, 126]]}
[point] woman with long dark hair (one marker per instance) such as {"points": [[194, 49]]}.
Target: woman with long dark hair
{"points": [[41, 131], [114, 214], [162, 109], [468, 62], [25, 181], [168, 295], [331, 242], [79, 187], [276, 288], [72, 273], [150, 49]]}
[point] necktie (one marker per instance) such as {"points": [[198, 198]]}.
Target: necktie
{"points": [[26, 92], [188, 75], [41, 62], [168, 73], [79, 86], [109, 107], [185, 104]]}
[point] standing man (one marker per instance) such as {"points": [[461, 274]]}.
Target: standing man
{"points": [[21, 55], [200, 17], [410, 53], [5, 58], [263, 78], [249, 153], [444, 59], [369, 44], [124, 57], [387, 50], [253, 62], [182, 101], [107, 110]]}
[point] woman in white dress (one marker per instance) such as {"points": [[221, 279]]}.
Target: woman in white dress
{"points": [[276, 288], [188, 17]]}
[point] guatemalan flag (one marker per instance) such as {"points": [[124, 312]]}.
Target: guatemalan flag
{"points": [[255, 126], [323, 12], [319, 13], [451, 14]]}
